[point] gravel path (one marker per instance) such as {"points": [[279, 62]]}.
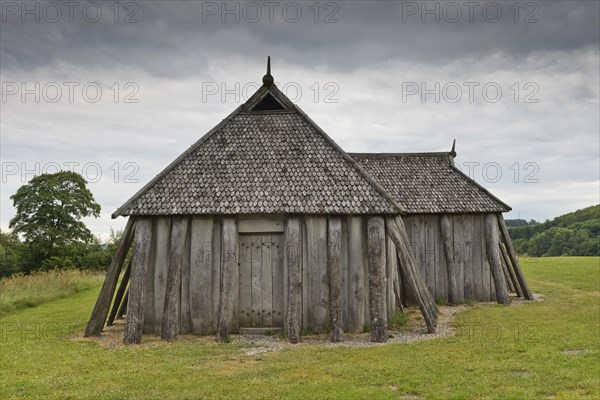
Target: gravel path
{"points": [[257, 344]]}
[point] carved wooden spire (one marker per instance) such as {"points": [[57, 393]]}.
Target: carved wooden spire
{"points": [[268, 78]]}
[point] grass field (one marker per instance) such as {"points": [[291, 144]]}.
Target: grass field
{"points": [[548, 349], [24, 291]]}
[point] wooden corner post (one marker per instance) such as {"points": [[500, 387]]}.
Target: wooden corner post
{"points": [[230, 275], [293, 254], [377, 289]]}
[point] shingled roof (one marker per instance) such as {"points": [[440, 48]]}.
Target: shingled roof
{"points": [[266, 157], [428, 183]]}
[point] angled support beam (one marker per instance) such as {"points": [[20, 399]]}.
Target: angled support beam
{"points": [[119, 295], [397, 232], [513, 258], [100, 312], [514, 283], [123, 307]]}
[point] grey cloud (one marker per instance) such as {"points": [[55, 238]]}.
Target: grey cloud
{"points": [[171, 37]]}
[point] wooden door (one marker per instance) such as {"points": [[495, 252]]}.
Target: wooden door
{"points": [[261, 280]]}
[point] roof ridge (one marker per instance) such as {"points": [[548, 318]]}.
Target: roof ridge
{"points": [[385, 155]]}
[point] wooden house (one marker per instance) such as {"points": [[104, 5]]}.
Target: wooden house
{"points": [[266, 223]]}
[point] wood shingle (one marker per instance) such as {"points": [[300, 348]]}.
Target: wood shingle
{"points": [[428, 183]]}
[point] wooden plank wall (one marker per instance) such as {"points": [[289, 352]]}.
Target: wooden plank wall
{"points": [[468, 252], [200, 276], [202, 266], [318, 284]]}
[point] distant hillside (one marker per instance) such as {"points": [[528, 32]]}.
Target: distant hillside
{"points": [[573, 234]]}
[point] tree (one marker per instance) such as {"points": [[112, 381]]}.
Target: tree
{"points": [[49, 212]]}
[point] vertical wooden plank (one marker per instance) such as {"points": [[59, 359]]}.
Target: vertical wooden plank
{"points": [[285, 277], [305, 261], [476, 258], [256, 286], [334, 244], [201, 274], [365, 284], [186, 318], [391, 262], [134, 322], [410, 221], [447, 236], [441, 275], [267, 281], [430, 255], [356, 275], [458, 228], [172, 306], [149, 297], [318, 285], [468, 266], [486, 279], [376, 252], [216, 273], [245, 282], [419, 245], [230, 275], [344, 266], [293, 255], [278, 280], [161, 269], [409, 226]]}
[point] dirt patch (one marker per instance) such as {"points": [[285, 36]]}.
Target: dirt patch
{"points": [[259, 344], [573, 352]]}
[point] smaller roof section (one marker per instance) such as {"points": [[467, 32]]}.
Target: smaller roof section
{"points": [[428, 183]]}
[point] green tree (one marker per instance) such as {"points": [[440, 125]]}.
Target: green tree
{"points": [[49, 212]]}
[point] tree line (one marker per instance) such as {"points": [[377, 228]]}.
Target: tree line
{"points": [[572, 234], [47, 231]]}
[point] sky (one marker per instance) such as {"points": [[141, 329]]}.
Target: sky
{"points": [[116, 90]]}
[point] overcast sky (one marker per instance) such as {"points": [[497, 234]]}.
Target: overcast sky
{"points": [[116, 91]]}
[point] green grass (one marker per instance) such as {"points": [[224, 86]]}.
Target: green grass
{"points": [[24, 291], [515, 352], [398, 320]]}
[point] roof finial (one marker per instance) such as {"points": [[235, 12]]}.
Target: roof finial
{"points": [[453, 151], [268, 78]]}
